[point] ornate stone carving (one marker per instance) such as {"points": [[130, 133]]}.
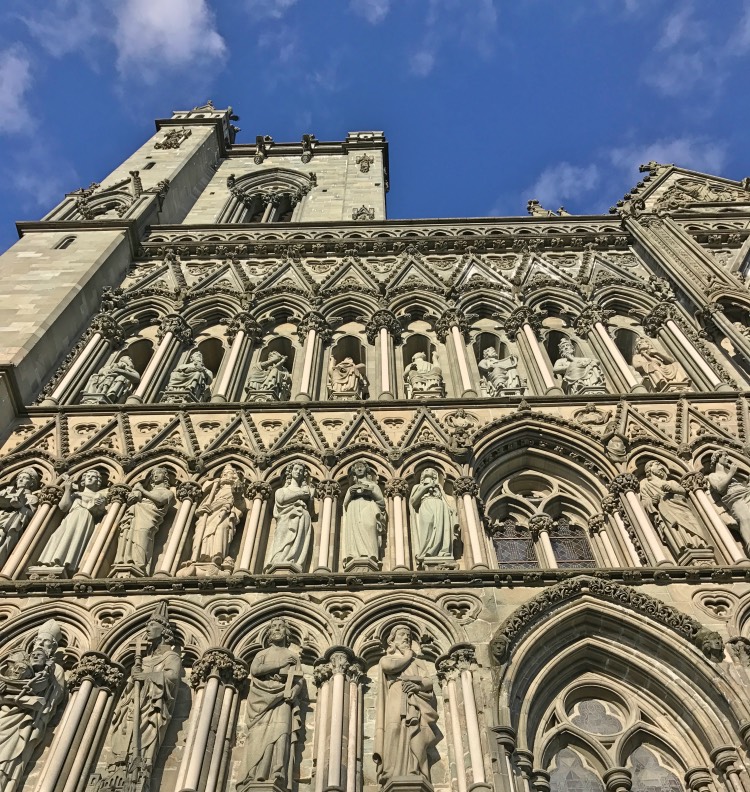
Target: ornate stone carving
{"points": [[190, 381], [435, 522], [143, 517], [109, 328], [589, 316], [314, 320], [219, 663], [103, 672], [500, 376], [174, 138], [659, 315], [262, 144], [308, 144], [732, 491], [245, 322], [18, 502], [292, 540], [380, 319], [346, 380], [406, 711], [453, 317], [397, 487], [364, 522], [363, 213], [327, 489], [580, 375], [83, 507], [687, 191], [364, 161], [189, 490], [273, 712], [145, 708], [112, 384], [269, 380], [423, 379], [521, 316], [659, 370], [625, 482], [466, 485], [175, 324]]}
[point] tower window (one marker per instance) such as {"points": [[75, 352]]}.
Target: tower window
{"points": [[65, 242]]}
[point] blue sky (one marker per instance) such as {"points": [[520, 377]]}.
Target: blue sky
{"points": [[485, 104]]}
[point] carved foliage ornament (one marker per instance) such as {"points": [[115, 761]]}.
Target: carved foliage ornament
{"points": [[174, 138]]}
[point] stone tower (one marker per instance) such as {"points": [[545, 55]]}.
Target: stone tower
{"points": [[295, 498]]}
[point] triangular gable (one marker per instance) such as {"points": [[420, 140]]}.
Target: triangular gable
{"points": [[701, 425], [289, 276], [351, 275], [108, 435], [604, 271], [238, 433], [636, 426], [476, 274], [363, 431], [424, 428], [302, 431], [224, 276], [413, 273], [544, 269], [42, 436]]}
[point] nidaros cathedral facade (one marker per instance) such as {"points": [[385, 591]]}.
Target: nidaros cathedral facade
{"points": [[294, 498]]}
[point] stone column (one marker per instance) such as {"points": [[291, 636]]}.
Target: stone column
{"points": [[448, 674], [173, 331], [625, 487], [727, 761], [242, 332], [328, 491], [453, 323], [468, 490], [106, 334], [93, 558], [540, 781], [624, 532], [525, 762], [716, 320], [189, 494], [699, 779], [94, 682], [218, 674], [505, 739], [523, 325], [322, 677], [385, 327], [591, 323], [34, 532], [397, 490], [599, 535], [540, 525], [665, 323], [617, 779], [259, 492], [317, 333]]}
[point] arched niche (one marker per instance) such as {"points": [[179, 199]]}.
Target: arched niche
{"points": [[417, 350], [347, 369]]}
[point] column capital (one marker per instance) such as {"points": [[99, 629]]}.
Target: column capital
{"points": [[460, 657], [218, 663], [466, 485], [446, 668], [396, 486], [338, 659], [618, 779], [383, 318], [356, 671], [49, 494], [100, 670], [540, 781], [625, 482], [657, 317], [589, 316], [521, 316], [327, 488], [453, 317], [314, 320], [539, 523], [189, 490], [694, 480], [245, 322], [698, 779], [175, 324], [258, 489], [596, 524], [118, 493], [322, 672], [109, 328], [506, 737], [725, 758]]}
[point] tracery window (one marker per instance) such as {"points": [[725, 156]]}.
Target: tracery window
{"points": [[514, 546], [569, 774], [571, 546], [269, 197]]}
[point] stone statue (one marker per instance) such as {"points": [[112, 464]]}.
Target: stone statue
{"points": [[273, 713], [406, 711], [731, 491], [434, 519], [422, 378], [145, 707], [346, 380], [17, 506], [269, 380], [83, 507], [667, 502], [142, 519], [292, 539], [499, 374], [189, 381], [579, 374], [364, 518], [31, 688], [217, 517], [113, 384], [659, 370]]}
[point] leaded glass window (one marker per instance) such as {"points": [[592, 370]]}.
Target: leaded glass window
{"points": [[569, 774], [596, 717], [571, 545], [513, 545], [650, 774]]}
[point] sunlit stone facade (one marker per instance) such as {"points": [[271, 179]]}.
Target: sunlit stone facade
{"points": [[297, 498]]}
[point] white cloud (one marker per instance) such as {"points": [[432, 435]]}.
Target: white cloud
{"points": [[15, 81], [269, 9], [687, 152], [374, 11], [562, 182], [167, 33], [422, 62], [68, 26], [40, 177]]}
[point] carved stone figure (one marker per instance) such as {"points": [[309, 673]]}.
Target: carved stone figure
{"points": [[499, 374], [189, 381], [346, 380], [434, 519], [731, 491], [142, 519], [31, 688], [579, 374], [406, 711], [217, 517], [17, 506], [145, 707], [113, 384], [292, 539], [269, 380], [659, 370], [83, 507], [666, 501], [422, 378], [364, 518], [273, 712]]}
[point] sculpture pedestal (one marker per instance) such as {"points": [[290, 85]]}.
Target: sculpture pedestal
{"points": [[437, 563], [408, 784], [283, 569], [126, 571], [697, 556], [363, 565], [178, 397], [260, 786], [47, 572], [206, 569]]}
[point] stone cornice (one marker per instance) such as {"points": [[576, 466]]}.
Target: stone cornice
{"points": [[129, 226]]}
